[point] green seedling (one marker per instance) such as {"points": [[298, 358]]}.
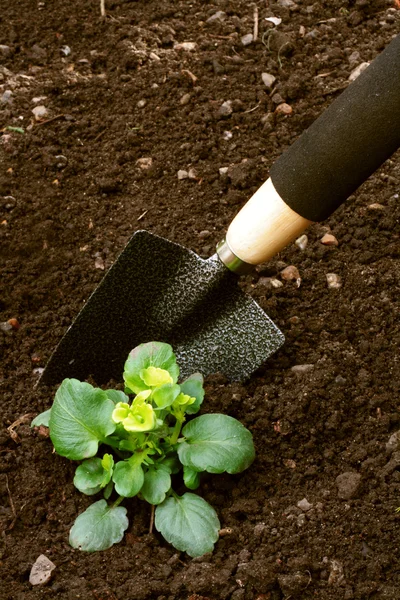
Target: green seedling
{"points": [[149, 439]]}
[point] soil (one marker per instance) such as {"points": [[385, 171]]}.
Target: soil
{"points": [[73, 190]]}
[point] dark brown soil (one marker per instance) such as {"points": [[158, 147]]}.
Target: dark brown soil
{"points": [[72, 193]]}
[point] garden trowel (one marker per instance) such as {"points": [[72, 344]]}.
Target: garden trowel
{"points": [[158, 290]]}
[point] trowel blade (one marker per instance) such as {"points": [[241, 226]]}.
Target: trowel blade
{"points": [[160, 291]]}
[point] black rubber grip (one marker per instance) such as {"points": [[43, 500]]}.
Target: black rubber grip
{"points": [[346, 144]]}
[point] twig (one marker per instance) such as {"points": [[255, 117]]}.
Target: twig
{"points": [[151, 519], [50, 120], [246, 112], [103, 8], [142, 215], [14, 512], [255, 30]]}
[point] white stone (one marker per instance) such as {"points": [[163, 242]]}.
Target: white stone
{"points": [[145, 162], [182, 174], [41, 570], [268, 79], [247, 39], [302, 242], [304, 505], [40, 112], [187, 46], [334, 281], [358, 70]]}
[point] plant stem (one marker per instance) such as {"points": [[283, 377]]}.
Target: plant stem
{"points": [[118, 501], [175, 433]]}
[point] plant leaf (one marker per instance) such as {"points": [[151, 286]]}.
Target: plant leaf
{"points": [[193, 386], [165, 395], [108, 490], [191, 478], [189, 523], [128, 477], [117, 396], [88, 476], [80, 419], [99, 527], [216, 443], [157, 482], [42, 419], [172, 463], [151, 354]]}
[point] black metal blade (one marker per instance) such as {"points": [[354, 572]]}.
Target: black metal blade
{"points": [[160, 291]]}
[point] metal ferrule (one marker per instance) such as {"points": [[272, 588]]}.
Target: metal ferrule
{"points": [[230, 260]]}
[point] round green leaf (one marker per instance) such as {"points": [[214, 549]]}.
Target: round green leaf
{"points": [[189, 523], [89, 476], [80, 418], [99, 527], [165, 395], [157, 482], [117, 396], [193, 386], [42, 419], [151, 354], [128, 477], [216, 443]]}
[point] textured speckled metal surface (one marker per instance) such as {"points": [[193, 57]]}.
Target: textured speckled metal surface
{"points": [[158, 290]]}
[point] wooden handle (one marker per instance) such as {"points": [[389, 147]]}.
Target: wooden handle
{"points": [[264, 226]]}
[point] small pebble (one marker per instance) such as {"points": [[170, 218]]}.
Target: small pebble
{"points": [[302, 242], [223, 170], [354, 58], [275, 20], [99, 263], [38, 99], [5, 327], [66, 50], [348, 485], [376, 206], [192, 173], [268, 79], [329, 240], [185, 99], [227, 135], [247, 39], [334, 281], [284, 109], [286, 3], [5, 50], [183, 174], [301, 520], [291, 273], [6, 98], [259, 529], [357, 71], [225, 531], [336, 574], [302, 368], [394, 442], [154, 56], [145, 162], [304, 505], [276, 283], [61, 161], [220, 15], [225, 110], [187, 46], [40, 112], [141, 103], [41, 571]]}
